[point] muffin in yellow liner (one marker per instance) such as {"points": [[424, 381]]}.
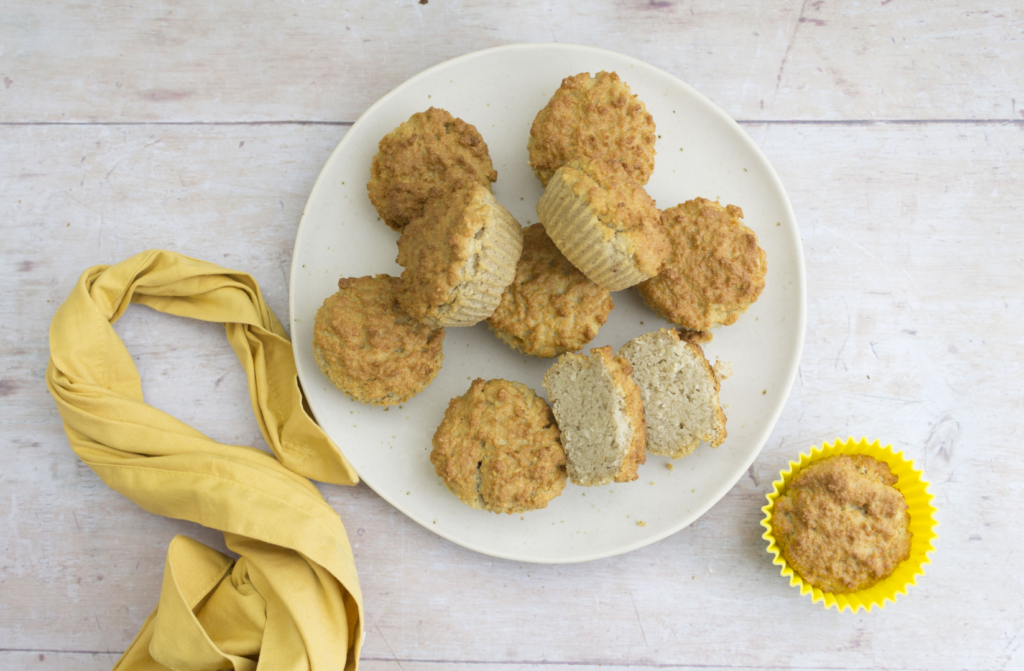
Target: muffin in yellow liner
{"points": [[919, 507]]}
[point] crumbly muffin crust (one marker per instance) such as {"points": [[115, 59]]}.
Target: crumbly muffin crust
{"points": [[458, 258], [842, 525], [715, 271], [622, 373], [596, 117], [370, 348], [604, 222], [498, 448], [551, 307], [426, 157]]}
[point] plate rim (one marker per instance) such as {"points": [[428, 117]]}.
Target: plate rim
{"points": [[787, 387]]}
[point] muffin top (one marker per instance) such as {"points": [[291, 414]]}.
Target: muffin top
{"points": [[551, 307], [596, 117], [370, 348], [841, 524], [446, 252], [628, 214], [498, 448], [426, 157], [715, 270]]}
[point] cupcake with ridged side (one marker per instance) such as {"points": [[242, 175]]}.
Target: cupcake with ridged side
{"points": [[550, 308], [498, 448], [428, 156], [851, 524], [604, 222], [593, 117], [715, 271], [458, 258], [371, 349]]}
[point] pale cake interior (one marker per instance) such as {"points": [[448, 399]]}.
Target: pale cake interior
{"points": [[680, 393], [591, 413]]}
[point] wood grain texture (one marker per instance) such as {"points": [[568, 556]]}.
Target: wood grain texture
{"points": [[892, 351], [914, 254], [323, 61]]}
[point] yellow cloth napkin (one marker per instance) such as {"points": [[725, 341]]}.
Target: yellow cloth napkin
{"points": [[291, 600]]}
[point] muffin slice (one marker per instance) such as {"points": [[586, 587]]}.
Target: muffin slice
{"points": [[604, 223], [551, 307], [679, 389], [715, 271], [600, 414], [497, 448], [458, 259], [429, 156]]}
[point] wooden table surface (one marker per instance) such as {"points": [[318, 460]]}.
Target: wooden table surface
{"points": [[897, 127]]}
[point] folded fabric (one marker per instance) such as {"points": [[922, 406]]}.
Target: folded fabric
{"points": [[292, 600]]}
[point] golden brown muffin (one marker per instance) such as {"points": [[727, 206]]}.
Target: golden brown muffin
{"points": [[370, 348], [593, 117], [604, 223], [428, 156], [715, 270], [841, 524], [551, 307], [458, 258], [498, 448], [600, 412]]}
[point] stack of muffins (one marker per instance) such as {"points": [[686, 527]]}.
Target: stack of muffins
{"points": [[545, 292]]}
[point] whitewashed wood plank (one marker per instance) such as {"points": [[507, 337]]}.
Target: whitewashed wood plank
{"points": [[53, 661], [899, 223], [243, 61], [433, 665]]}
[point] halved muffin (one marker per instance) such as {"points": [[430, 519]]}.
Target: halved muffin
{"points": [[601, 416], [679, 389]]}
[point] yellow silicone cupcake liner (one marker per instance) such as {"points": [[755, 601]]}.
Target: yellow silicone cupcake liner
{"points": [[922, 523]]}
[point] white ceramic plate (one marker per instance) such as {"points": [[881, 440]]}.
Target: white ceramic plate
{"points": [[700, 152]]}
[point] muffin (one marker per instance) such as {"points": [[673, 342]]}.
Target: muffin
{"points": [[604, 223], [601, 415], [498, 448], [841, 524], [458, 258], [593, 117], [430, 155], [715, 270], [679, 390], [370, 348], [551, 307]]}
